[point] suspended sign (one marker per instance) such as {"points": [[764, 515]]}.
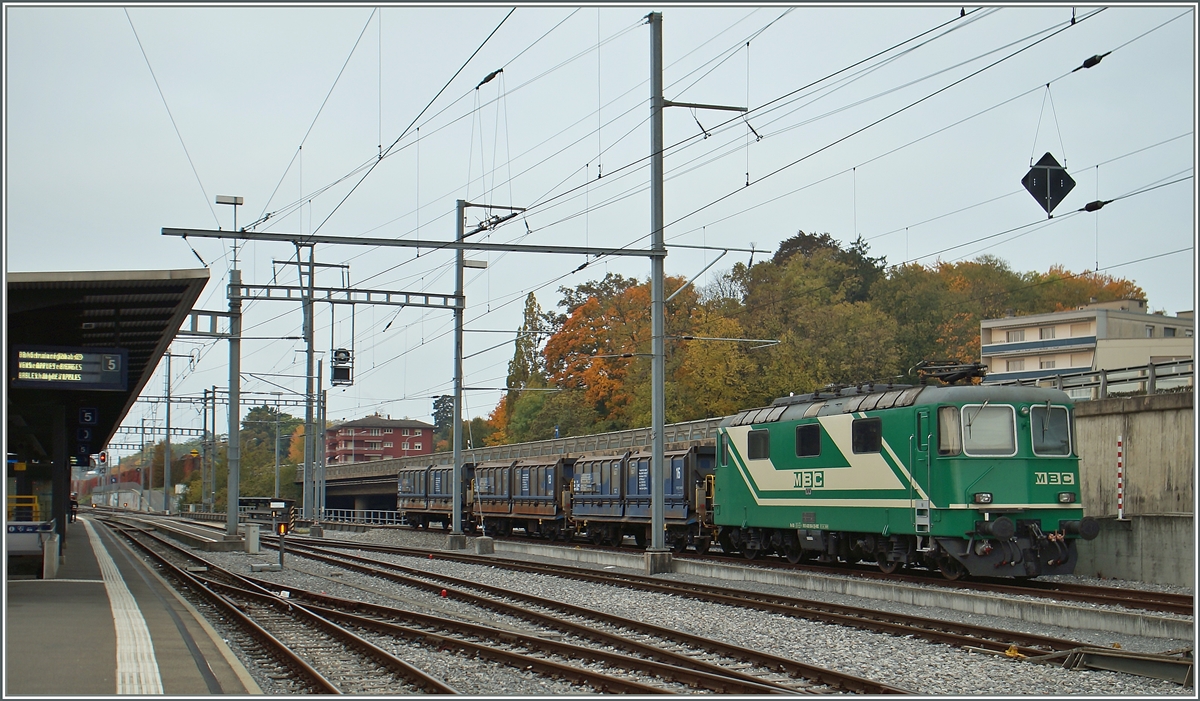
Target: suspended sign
{"points": [[1048, 182]]}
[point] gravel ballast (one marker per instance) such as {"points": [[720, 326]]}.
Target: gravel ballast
{"points": [[920, 666]]}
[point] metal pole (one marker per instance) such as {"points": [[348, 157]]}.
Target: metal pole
{"points": [[234, 450], [277, 448], [323, 455], [212, 467], [310, 450], [456, 434], [204, 451], [658, 367], [317, 487], [145, 470], [167, 443]]}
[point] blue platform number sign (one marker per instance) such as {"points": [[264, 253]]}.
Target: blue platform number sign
{"points": [[88, 416], [83, 435]]}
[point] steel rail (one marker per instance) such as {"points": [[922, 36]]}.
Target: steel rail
{"points": [[413, 577], [606, 683], [270, 642], [680, 667]]}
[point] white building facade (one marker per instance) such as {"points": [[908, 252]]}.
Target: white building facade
{"points": [[1098, 336]]}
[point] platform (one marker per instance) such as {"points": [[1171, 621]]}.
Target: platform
{"points": [[109, 625]]}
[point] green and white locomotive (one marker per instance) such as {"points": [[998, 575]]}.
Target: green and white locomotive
{"points": [[963, 478]]}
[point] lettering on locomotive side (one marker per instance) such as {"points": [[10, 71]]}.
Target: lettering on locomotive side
{"points": [[1053, 478], [810, 526], [809, 479]]}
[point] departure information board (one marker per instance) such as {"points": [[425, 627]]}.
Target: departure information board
{"points": [[56, 367]]}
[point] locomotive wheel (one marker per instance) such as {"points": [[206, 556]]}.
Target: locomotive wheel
{"points": [[726, 544], [752, 553], [887, 566], [793, 552], [951, 569]]}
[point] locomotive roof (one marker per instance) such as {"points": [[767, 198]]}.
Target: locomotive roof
{"points": [[888, 397]]}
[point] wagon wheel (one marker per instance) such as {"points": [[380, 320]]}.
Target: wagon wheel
{"points": [[951, 569], [679, 544], [701, 545], [885, 565], [793, 552], [550, 531], [639, 537], [596, 535]]}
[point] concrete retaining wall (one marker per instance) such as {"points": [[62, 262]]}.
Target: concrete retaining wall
{"points": [[1157, 541], [1159, 549]]}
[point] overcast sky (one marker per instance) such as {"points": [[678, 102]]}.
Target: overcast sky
{"points": [[911, 127]]}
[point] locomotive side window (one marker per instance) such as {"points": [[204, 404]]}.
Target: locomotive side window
{"points": [[1051, 430], [989, 429], [949, 431], [866, 435], [724, 438], [808, 440], [758, 445]]}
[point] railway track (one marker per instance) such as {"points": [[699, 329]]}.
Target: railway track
{"points": [[636, 637], [961, 635], [1180, 604], [325, 657], [642, 669]]}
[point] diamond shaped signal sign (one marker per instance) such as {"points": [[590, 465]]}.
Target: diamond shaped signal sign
{"points": [[1048, 182]]}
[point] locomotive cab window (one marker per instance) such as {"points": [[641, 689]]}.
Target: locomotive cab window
{"points": [[989, 429], [808, 440], [867, 435], [758, 445], [1051, 429], [949, 431]]}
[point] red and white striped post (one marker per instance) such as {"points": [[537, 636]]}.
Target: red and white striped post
{"points": [[1120, 479]]}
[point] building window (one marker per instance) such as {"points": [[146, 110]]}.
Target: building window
{"points": [[1046, 332], [404, 432], [374, 445], [387, 444], [416, 446], [1169, 331], [1149, 331], [387, 430], [404, 446], [1046, 364], [1014, 336], [1080, 330], [376, 432], [1014, 365]]}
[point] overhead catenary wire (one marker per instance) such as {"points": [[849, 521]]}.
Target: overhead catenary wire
{"points": [[203, 190]]}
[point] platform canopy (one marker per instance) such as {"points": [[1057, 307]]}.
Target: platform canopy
{"points": [[128, 318]]}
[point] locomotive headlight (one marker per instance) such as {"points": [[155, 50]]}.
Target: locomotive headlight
{"points": [[1066, 497], [983, 497]]}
